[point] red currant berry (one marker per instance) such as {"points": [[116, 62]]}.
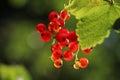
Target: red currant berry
{"points": [[56, 47], [65, 31], [57, 54], [54, 27], [64, 15], [46, 36], [73, 46], [68, 55], [61, 37], [61, 23], [65, 43], [53, 16], [72, 36], [40, 28], [83, 62], [87, 51], [50, 26], [58, 63]]}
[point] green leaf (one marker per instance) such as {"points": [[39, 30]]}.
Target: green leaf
{"points": [[80, 8], [13, 72], [95, 19]]}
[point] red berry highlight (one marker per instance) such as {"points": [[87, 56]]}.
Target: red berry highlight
{"points": [[73, 46], [83, 62], [72, 36], [68, 55], [46, 36], [64, 15], [53, 16], [58, 63], [40, 28]]}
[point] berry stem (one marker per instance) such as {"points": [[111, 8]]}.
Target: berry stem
{"points": [[53, 42], [50, 57], [76, 55], [69, 1]]}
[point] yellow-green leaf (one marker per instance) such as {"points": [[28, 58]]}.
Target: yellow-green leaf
{"points": [[95, 19]]}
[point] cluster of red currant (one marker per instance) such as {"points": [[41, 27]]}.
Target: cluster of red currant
{"points": [[65, 45]]}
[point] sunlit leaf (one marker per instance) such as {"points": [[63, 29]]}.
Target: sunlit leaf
{"points": [[95, 19]]}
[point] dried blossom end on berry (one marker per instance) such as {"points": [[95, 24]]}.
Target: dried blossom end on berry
{"points": [[46, 36], [58, 63], [64, 44], [61, 23], [76, 65]]}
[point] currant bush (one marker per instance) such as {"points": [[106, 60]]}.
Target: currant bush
{"points": [[62, 38]]}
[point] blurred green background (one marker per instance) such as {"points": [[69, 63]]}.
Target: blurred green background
{"points": [[23, 56]]}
